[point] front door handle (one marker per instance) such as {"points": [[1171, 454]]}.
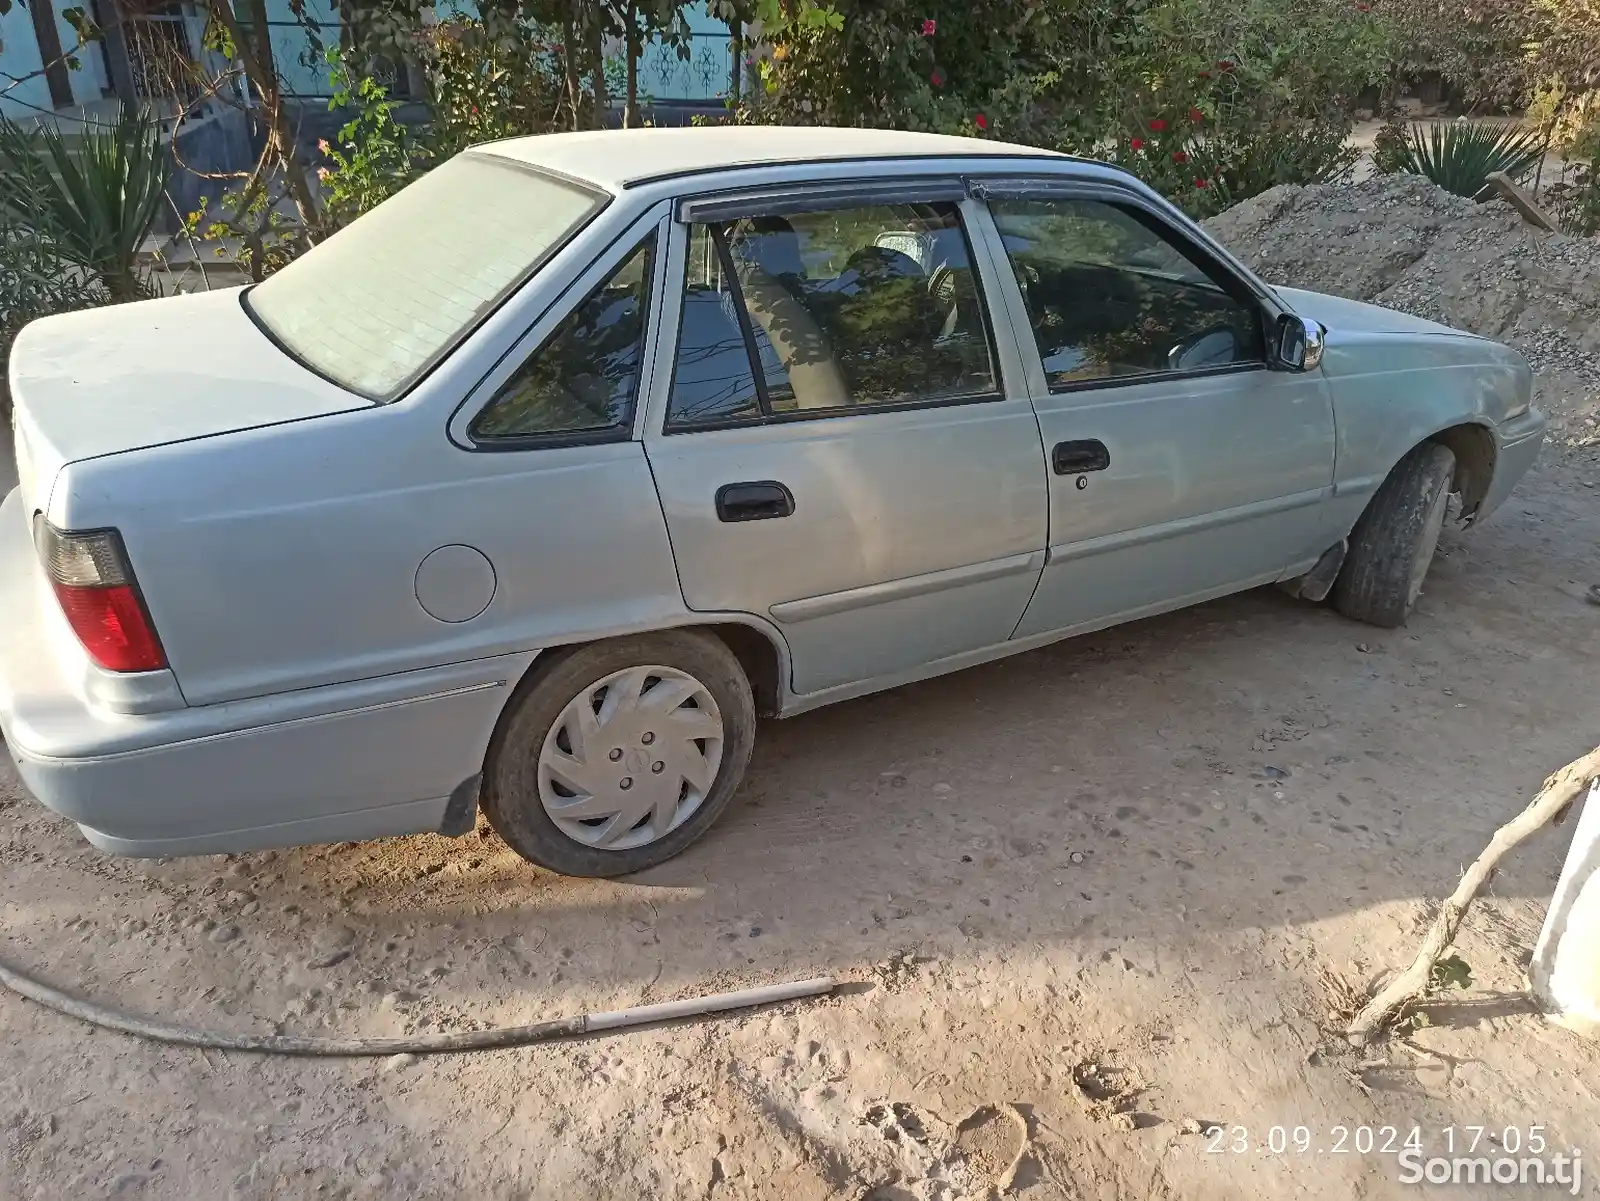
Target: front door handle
{"points": [[1074, 458], [761, 500]]}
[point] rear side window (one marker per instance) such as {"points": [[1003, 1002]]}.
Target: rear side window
{"points": [[1109, 297], [846, 309], [585, 378], [377, 304], [714, 380]]}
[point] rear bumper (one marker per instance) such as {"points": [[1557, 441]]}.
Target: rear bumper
{"points": [[1517, 444], [348, 761]]}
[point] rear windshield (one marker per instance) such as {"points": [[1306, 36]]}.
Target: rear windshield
{"points": [[378, 303]]}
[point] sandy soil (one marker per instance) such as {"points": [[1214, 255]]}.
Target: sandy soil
{"points": [[1086, 893]]}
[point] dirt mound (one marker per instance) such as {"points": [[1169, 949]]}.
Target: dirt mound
{"points": [[1399, 241]]}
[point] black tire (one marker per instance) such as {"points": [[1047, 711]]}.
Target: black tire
{"points": [[1393, 543], [511, 774]]}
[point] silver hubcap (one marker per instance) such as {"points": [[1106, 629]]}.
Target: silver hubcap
{"points": [[631, 758], [1430, 542]]}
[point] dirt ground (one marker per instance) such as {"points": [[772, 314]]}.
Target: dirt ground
{"points": [[1121, 860], [1083, 901]]}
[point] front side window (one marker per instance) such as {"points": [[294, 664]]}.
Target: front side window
{"points": [[585, 377], [377, 304], [843, 309], [1108, 297]]}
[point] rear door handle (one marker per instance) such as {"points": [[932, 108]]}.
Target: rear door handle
{"points": [[1074, 458], [761, 500]]}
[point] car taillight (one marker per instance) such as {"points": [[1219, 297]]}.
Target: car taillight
{"points": [[96, 589]]}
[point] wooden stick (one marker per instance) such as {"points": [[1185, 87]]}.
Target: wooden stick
{"points": [[1550, 804], [1501, 184]]}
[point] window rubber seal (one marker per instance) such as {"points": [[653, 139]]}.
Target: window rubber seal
{"points": [[757, 373]]}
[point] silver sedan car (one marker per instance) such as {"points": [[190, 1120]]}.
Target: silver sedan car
{"points": [[531, 489]]}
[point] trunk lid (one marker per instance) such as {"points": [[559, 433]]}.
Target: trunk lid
{"points": [[129, 376]]}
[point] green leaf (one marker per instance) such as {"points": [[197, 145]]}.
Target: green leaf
{"points": [[1454, 972], [82, 24]]}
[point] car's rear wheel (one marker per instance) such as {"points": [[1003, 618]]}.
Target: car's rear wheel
{"points": [[619, 754], [1393, 543]]}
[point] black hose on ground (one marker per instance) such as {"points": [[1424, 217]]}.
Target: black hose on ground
{"points": [[108, 1018]]}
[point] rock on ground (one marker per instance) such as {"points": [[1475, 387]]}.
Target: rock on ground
{"points": [[1402, 242]]}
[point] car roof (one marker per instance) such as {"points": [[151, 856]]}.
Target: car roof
{"points": [[620, 158]]}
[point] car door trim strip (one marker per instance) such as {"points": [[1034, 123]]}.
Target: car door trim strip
{"points": [[817, 197], [812, 607], [1184, 525]]}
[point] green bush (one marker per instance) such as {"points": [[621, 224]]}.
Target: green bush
{"points": [[374, 155], [36, 280], [1259, 91], [1575, 201], [479, 88], [1460, 156], [483, 85], [1204, 175], [1389, 153]]}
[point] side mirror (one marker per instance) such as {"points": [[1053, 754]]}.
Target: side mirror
{"points": [[1299, 343]]}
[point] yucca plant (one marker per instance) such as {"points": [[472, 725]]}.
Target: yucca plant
{"points": [[1460, 156], [93, 195]]}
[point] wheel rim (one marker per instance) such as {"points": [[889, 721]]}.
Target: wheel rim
{"points": [[631, 758], [1430, 542]]}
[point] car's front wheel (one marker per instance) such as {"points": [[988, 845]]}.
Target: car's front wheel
{"points": [[1393, 543], [619, 754]]}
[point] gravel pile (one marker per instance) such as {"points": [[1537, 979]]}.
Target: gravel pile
{"points": [[1399, 241]]}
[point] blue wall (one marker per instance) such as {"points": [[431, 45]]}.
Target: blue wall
{"points": [[19, 56], [665, 76], [302, 70], [662, 74]]}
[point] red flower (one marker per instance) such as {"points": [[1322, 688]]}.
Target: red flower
{"points": [[1179, 156], [1205, 75], [1137, 144], [1200, 183], [1157, 125], [937, 79], [1361, 8], [981, 121], [929, 27], [1224, 66], [1196, 115]]}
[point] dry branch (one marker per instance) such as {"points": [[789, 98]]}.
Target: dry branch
{"points": [[1549, 805]]}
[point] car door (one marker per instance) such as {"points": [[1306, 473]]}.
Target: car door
{"points": [[1180, 466], [841, 445]]}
